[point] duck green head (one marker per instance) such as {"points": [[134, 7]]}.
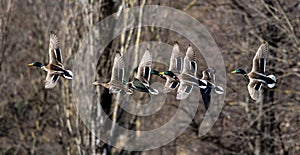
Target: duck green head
{"points": [[239, 71], [36, 64], [155, 72]]}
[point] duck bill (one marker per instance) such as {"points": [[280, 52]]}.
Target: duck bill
{"points": [[30, 64], [161, 73], [233, 72]]}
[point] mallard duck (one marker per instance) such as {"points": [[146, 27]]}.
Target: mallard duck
{"points": [[55, 68], [115, 85], [141, 75], [257, 76], [209, 76], [188, 76], [175, 67]]}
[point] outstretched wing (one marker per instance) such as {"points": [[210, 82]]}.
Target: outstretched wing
{"points": [[260, 58], [190, 64], [54, 49], [118, 68], [51, 80], [144, 68], [184, 90], [176, 60], [254, 89]]}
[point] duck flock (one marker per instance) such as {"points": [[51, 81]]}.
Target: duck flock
{"points": [[181, 75]]}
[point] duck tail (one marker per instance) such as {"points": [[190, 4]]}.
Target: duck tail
{"points": [[128, 91], [202, 84], [153, 91], [219, 90], [68, 74], [272, 85]]}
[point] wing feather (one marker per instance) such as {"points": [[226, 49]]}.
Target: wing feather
{"points": [[184, 90], [190, 64], [176, 60], [144, 68], [118, 69], [54, 49], [254, 89], [260, 58], [51, 80]]}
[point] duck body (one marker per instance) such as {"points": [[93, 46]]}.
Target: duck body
{"points": [[138, 85], [58, 69], [268, 80]]}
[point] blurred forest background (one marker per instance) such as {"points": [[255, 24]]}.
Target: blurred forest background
{"points": [[34, 120]]}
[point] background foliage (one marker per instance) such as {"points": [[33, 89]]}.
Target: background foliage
{"points": [[38, 121]]}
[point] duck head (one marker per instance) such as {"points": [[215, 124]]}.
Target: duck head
{"points": [[36, 64], [239, 71], [105, 85], [155, 72]]}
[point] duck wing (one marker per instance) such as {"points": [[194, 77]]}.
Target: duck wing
{"points": [[51, 80], [118, 69], [254, 87], [144, 68], [54, 49], [176, 60], [190, 64], [260, 58], [184, 90]]}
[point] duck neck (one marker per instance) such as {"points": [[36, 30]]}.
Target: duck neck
{"points": [[246, 76]]}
